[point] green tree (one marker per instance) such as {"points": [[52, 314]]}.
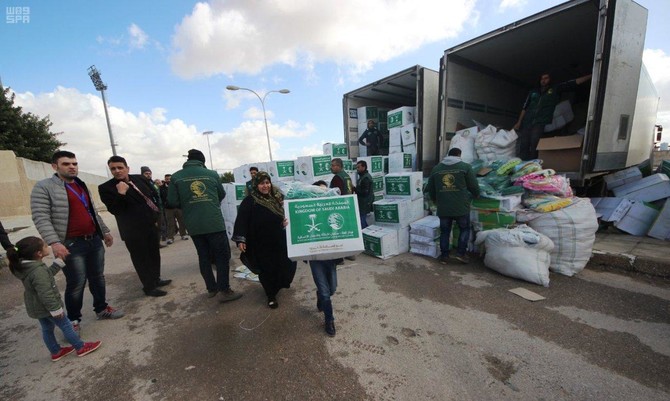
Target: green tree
{"points": [[26, 134], [227, 177]]}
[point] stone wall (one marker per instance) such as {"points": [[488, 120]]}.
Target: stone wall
{"points": [[19, 176]]}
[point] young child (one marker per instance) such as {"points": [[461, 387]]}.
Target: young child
{"points": [[43, 301]]}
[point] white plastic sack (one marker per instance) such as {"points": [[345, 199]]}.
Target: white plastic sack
{"points": [[465, 141], [519, 252], [504, 139], [573, 231], [562, 116]]}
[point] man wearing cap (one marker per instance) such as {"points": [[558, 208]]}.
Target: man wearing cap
{"points": [[134, 202], [198, 192]]}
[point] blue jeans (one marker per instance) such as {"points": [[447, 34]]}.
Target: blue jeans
{"points": [[86, 261], [364, 220], [463, 236], [324, 273], [48, 324], [213, 246]]}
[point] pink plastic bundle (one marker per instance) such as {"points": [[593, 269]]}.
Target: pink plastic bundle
{"points": [[553, 184]]}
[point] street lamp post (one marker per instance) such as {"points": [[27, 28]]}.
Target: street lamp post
{"points": [[211, 161], [262, 99], [100, 86]]}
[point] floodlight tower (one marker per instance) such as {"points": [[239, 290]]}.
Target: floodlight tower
{"points": [[100, 86]]}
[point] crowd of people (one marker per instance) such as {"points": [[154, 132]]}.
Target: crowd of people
{"points": [[71, 229]]}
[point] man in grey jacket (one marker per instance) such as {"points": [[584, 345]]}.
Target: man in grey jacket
{"points": [[64, 214]]}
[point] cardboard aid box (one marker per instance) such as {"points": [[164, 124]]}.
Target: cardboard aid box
{"points": [[561, 153], [496, 203], [336, 150], [380, 242], [660, 229], [399, 212], [323, 228], [428, 227], [622, 177], [400, 163], [407, 135], [637, 219], [647, 189], [404, 185], [482, 220], [313, 168], [281, 170], [375, 165], [235, 192], [400, 116]]}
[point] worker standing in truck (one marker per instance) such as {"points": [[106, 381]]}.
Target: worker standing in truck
{"points": [[538, 111], [371, 138]]}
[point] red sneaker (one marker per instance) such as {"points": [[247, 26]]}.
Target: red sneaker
{"points": [[63, 351], [88, 348]]}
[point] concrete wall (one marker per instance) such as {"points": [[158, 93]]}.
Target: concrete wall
{"points": [[19, 176]]}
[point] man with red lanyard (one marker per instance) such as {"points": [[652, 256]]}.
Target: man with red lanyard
{"points": [[64, 215]]}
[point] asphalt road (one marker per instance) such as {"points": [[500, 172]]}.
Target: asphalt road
{"points": [[409, 328]]}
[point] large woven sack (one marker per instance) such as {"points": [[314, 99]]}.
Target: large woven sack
{"points": [[573, 231], [520, 252]]}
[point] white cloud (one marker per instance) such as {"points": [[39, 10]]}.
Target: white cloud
{"points": [[238, 36], [150, 138], [138, 38], [507, 4], [658, 65]]}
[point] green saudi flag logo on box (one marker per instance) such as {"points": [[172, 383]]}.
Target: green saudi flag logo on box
{"points": [[240, 192], [321, 165], [373, 245], [286, 169], [323, 219]]}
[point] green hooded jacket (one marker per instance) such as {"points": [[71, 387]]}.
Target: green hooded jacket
{"points": [[198, 192], [451, 186], [41, 294]]}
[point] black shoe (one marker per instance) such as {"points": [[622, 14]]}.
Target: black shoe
{"points": [[330, 328], [272, 303], [162, 283], [155, 293]]}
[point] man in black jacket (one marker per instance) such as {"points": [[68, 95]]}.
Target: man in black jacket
{"points": [[134, 203]]}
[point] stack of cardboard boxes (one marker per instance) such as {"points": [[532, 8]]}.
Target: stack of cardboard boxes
{"points": [[639, 205]]}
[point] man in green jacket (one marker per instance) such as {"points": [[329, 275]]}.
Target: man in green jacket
{"points": [[451, 186], [364, 191], [198, 193]]}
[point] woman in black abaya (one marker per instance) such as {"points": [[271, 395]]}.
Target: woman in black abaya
{"points": [[260, 233]]}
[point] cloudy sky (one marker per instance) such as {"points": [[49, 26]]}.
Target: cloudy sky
{"points": [[166, 65]]}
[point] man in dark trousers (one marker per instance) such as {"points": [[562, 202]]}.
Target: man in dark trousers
{"points": [[451, 186], [134, 202], [371, 138], [364, 191], [538, 111]]}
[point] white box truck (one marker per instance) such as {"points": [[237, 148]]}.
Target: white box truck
{"points": [[417, 87], [487, 79]]}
